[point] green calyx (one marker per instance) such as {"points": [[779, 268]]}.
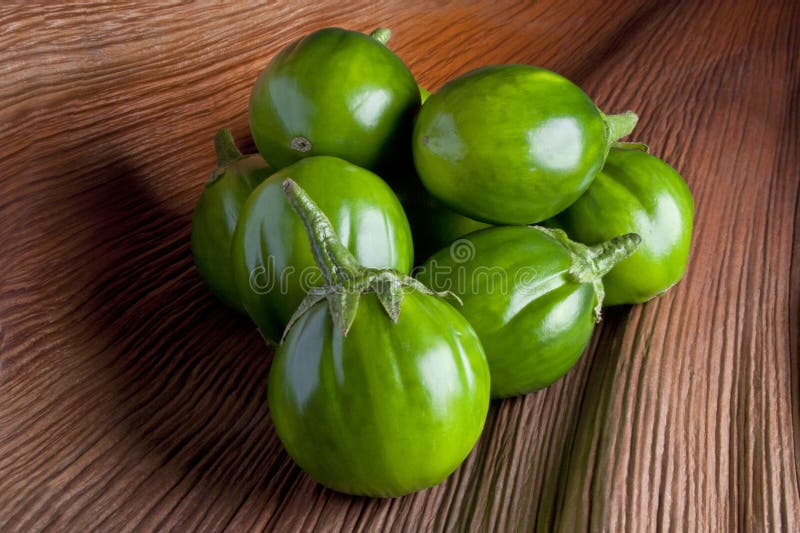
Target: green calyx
{"points": [[620, 125], [381, 35], [227, 153], [591, 263], [345, 279], [639, 147], [226, 149]]}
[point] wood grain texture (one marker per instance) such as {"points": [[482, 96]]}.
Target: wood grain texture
{"points": [[131, 399]]}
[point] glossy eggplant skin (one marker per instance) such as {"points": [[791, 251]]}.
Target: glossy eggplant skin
{"points": [[533, 318], [390, 408], [214, 222], [433, 224], [509, 144], [636, 192], [333, 92], [272, 263]]}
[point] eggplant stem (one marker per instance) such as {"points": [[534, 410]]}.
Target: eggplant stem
{"points": [[382, 35], [226, 149], [334, 260], [591, 263], [346, 279], [620, 125], [606, 255]]}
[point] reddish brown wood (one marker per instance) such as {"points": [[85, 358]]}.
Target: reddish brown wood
{"points": [[131, 399]]}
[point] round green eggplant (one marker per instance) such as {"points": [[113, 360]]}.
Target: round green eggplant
{"points": [[334, 92], [512, 144], [433, 225], [217, 212], [380, 388], [272, 264], [636, 192], [532, 295]]}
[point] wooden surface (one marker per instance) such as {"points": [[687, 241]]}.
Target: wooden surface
{"points": [[131, 399]]}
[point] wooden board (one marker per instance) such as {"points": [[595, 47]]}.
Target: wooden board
{"points": [[131, 399]]}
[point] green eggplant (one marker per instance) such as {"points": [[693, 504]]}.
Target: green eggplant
{"points": [[273, 267], [636, 192], [512, 144], [433, 225], [380, 387], [217, 212], [334, 92], [532, 295]]}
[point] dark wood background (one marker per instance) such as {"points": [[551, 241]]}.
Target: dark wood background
{"points": [[131, 399]]}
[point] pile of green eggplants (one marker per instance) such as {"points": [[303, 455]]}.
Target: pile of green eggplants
{"points": [[527, 215]]}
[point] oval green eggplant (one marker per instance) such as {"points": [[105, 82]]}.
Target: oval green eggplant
{"points": [[532, 295], [272, 264], [636, 192], [334, 92], [512, 144], [433, 224], [217, 212], [379, 388]]}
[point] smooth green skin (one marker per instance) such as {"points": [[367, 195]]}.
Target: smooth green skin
{"points": [[534, 320], [214, 222], [432, 223], [390, 409], [509, 144], [270, 240], [344, 92], [636, 192]]}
